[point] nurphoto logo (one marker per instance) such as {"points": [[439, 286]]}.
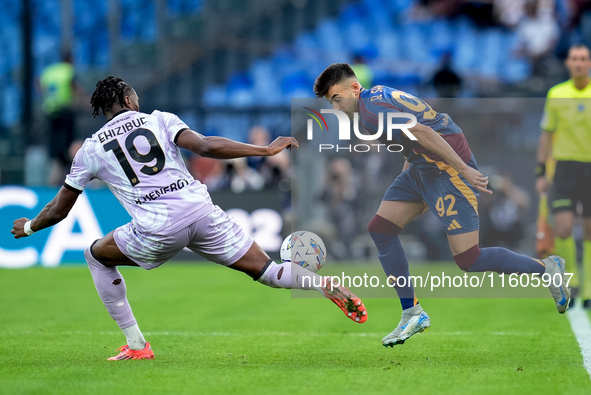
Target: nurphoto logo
{"points": [[393, 120]]}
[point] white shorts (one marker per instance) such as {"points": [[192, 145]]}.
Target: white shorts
{"points": [[215, 237]]}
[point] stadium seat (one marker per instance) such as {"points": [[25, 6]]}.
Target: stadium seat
{"points": [[243, 97], [329, 37], [183, 7], [490, 42], [441, 37], [12, 93], [401, 46], [401, 6], [417, 42], [357, 36], [215, 95], [466, 47]]}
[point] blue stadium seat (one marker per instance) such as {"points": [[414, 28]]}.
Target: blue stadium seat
{"points": [[90, 34], [296, 81], [352, 13], [329, 36], [13, 48], [512, 68], [389, 45], [138, 21], [515, 70], [356, 36], [416, 41], [400, 6], [399, 46], [306, 41], [215, 95], [466, 47], [11, 93], [490, 42], [243, 97], [379, 18], [235, 128], [441, 37], [239, 80], [260, 72], [184, 7]]}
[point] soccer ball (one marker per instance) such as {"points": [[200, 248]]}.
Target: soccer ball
{"points": [[304, 248]]}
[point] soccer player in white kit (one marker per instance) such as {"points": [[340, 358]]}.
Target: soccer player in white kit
{"points": [[138, 156]]}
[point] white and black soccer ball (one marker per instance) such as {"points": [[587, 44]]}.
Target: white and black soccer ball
{"points": [[305, 249]]}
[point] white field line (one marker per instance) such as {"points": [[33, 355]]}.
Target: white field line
{"points": [[579, 322], [238, 334]]}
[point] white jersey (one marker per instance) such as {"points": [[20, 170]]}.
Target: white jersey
{"points": [[135, 154]]}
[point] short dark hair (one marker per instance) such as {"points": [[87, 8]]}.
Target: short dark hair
{"points": [[108, 91], [332, 75], [578, 46]]}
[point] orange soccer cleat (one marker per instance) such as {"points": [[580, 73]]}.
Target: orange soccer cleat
{"points": [[350, 304], [127, 353]]}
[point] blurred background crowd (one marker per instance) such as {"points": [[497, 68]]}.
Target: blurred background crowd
{"points": [[232, 67]]}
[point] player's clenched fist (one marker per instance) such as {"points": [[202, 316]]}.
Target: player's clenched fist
{"points": [[18, 228]]}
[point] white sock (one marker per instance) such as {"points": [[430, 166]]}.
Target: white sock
{"points": [[110, 285], [290, 275], [135, 338]]}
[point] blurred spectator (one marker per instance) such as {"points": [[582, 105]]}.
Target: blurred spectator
{"points": [[233, 174], [509, 12], [258, 135], [577, 11], [339, 195], [585, 22], [427, 9], [272, 169], [60, 95], [211, 172], [538, 34], [565, 17], [480, 11], [363, 71], [503, 213], [252, 173], [445, 80], [242, 177]]}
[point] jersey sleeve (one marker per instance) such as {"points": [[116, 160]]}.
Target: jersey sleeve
{"points": [[548, 123], [81, 171], [173, 125]]}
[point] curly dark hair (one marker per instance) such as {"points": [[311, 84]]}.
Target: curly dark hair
{"points": [[332, 75], [107, 92]]}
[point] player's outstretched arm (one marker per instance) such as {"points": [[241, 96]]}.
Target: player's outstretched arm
{"points": [[223, 148], [430, 140], [52, 213]]}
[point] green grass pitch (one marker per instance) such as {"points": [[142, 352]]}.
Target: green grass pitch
{"points": [[216, 331]]}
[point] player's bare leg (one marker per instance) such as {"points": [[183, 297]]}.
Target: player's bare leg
{"points": [[400, 212], [103, 257], [470, 258], [257, 264], [462, 242]]}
